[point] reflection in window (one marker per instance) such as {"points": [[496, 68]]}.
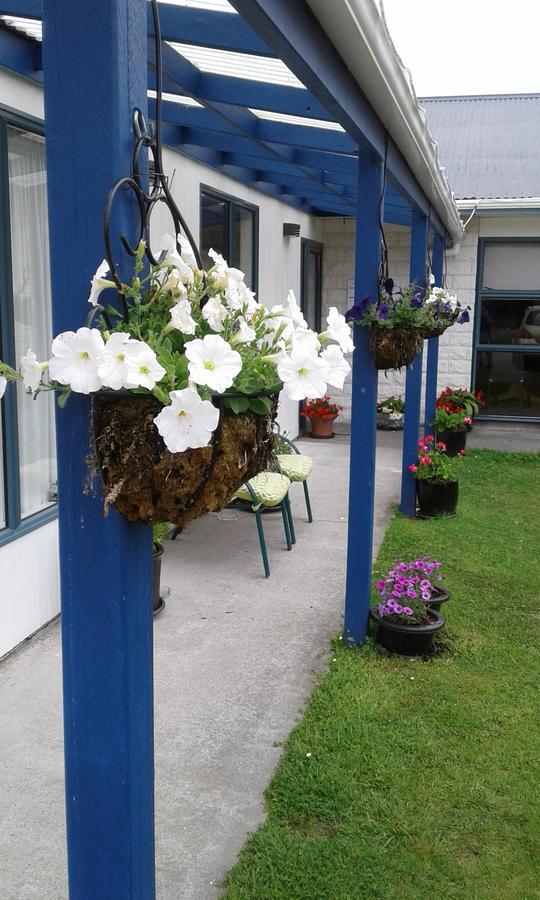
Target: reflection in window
{"points": [[32, 312], [510, 381], [509, 320]]}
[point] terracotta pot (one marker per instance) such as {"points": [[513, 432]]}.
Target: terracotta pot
{"points": [[322, 428]]}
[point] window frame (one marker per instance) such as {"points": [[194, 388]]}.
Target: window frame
{"points": [[482, 293], [15, 526], [232, 204]]}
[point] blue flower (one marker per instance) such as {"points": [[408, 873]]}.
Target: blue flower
{"points": [[418, 299], [383, 311], [464, 317], [359, 310]]}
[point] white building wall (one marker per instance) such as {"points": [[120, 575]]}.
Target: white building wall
{"points": [[29, 571]]}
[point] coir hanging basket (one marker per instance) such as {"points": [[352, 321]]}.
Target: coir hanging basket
{"points": [[432, 331], [393, 348], [148, 483]]}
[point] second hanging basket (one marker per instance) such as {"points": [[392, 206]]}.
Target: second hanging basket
{"points": [[393, 348], [148, 483]]}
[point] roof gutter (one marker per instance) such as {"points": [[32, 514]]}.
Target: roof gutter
{"points": [[359, 32], [500, 205]]}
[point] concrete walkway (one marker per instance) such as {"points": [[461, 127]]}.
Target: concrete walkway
{"points": [[235, 658]]}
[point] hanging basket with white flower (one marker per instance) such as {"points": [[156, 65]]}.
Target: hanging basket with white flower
{"points": [[185, 380]]}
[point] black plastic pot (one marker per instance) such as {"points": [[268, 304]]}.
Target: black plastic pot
{"points": [[454, 440], [437, 498], [157, 602], [440, 596], [407, 640]]}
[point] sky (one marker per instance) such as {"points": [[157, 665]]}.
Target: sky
{"points": [[455, 47]]}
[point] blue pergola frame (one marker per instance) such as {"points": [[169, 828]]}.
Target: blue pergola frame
{"points": [[107, 655]]}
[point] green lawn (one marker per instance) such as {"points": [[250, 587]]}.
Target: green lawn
{"points": [[410, 779]]}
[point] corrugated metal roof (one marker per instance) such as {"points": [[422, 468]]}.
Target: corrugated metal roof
{"points": [[489, 145]]}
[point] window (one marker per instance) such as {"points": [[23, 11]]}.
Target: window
{"points": [[230, 227], [28, 457], [507, 345]]}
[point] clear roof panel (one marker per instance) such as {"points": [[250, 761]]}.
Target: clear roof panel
{"points": [[238, 65], [30, 27], [297, 120], [175, 98], [218, 5]]}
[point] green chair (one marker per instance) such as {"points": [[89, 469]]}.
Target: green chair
{"points": [[296, 466], [268, 490]]}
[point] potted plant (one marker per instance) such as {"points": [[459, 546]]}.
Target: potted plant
{"points": [[184, 372], [405, 619], [451, 428], [321, 413], [400, 320], [159, 533], [460, 399], [436, 479], [390, 414], [444, 310]]}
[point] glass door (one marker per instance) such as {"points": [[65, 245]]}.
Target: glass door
{"points": [[311, 275]]}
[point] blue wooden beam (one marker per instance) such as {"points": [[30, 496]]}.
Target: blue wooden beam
{"points": [[437, 257], [207, 28], [24, 9], [297, 37], [19, 54], [364, 412], [105, 561], [413, 385]]}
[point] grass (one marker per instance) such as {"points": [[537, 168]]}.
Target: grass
{"points": [[411, 779]]}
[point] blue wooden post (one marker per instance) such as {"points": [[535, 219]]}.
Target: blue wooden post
{"points": [[413, 387], [433, 343], [364, 410], [95, 62]]}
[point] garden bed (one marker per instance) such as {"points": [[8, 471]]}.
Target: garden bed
{"points": [[411, 778]]}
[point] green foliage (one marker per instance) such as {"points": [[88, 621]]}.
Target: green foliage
{"points": [[159, 533], [419, 779], [398, 311], [449, 421], [391, 404]]}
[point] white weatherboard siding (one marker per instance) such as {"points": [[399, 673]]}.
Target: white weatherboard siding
{"points": [[29, 585]]}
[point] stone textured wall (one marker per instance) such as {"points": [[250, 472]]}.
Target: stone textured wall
{"points": [[455, 354]]}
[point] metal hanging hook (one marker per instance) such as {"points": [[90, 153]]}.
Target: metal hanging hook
{"points": [[147, 138]]}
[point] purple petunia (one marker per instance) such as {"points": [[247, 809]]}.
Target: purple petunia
{"points": [[407, 610], [359, 309], [383, 311]]}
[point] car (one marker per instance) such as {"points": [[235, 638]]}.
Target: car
{"points": [[529, 330]]}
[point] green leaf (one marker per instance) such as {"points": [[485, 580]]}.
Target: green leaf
{"points": [[161, 394], [63, 398], [260, 405], [238, 404]]}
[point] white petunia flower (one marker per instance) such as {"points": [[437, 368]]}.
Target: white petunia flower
{"points": [[99, 283], [220, 264], [212, 361], [293, 311], [338, 330], [182, 319], [171, 257], [75, 359], [142, 365], [175, 285], [338, 367], [186, 251], [3, 385], [303, 374], [305, 339], [187, 422], [113, 365], [215, 313], [244, 333], [31, 371]]}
